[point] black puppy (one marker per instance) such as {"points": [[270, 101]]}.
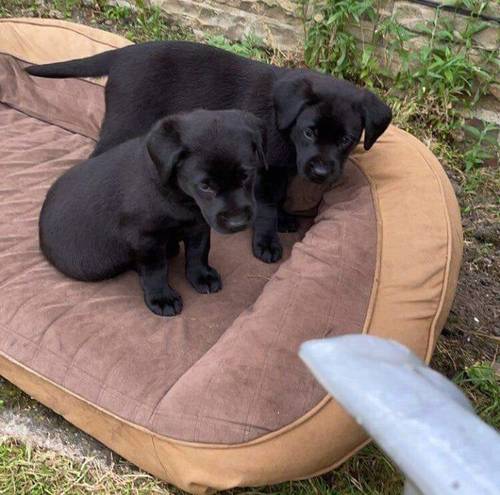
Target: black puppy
{"points": [[313, 121], [130, 206]]}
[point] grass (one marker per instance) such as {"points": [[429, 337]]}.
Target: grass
{"points": [[468, 349], [11, 397], [482, 385], [31, 470], [34, 471]]}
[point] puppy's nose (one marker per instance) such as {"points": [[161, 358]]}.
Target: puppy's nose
{"points": [[237, 223], [235, 220], [319, 171]]}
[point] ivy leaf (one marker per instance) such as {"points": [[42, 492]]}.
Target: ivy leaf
{"points": [[473, 131]]}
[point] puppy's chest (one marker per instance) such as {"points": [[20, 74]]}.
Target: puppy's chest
{"points": [[159, 220], [175, 217], [182, 213], [163, 229], [166, 225]]}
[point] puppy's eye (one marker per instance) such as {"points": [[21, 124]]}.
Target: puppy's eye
{"points": [[309, 134], [247, 175], [205, 188], [346, 140]]}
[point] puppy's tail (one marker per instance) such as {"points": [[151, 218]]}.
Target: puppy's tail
{"points": [[97, 65]]}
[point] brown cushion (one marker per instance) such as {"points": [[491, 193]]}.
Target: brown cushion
{"points": [[217, 396]]}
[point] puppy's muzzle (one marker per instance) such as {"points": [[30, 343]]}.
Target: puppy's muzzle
{"points": [[320, 172], [235, 220]]}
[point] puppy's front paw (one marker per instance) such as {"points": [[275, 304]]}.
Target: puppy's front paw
{"points": [[287, 222], [267, 249], [204, 279], [165, 302]]}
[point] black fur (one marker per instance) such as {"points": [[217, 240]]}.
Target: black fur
{"points": [[312, 120], [131, 205]]}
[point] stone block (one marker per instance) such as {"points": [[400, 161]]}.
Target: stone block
{"points": [[274, 21]]}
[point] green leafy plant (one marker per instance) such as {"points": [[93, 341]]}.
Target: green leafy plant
{"points": [[480, 380], [250, 46], [117, 12], [438, 79], [144, 23], [331, 46], [485, 146]]}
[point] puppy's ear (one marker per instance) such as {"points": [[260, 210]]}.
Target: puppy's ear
{"points": [[290, 95], [164, 145], [376, 117], [259, 137]]}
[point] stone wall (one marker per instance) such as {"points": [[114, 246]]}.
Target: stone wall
{"points": [[276, 22], [279, 24]]}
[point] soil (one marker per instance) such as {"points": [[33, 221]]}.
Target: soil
{"points": [[472, 332]]}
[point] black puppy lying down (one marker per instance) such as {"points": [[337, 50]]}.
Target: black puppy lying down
{"points": [[312, 120], [130, 206]]}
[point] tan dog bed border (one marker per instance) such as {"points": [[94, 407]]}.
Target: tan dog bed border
{"points": [[416, 266]]}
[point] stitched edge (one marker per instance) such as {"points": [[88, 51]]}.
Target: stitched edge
{"points": [[432, 337]]}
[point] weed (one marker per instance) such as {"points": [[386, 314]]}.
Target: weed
{"points": [[431, 85], [250, 46], [331, 47], [118, 13], [482, 385], [145, 23], [65, 7], [484, 148]]}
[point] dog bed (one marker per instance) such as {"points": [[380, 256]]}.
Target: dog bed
{"points": [[216, 397]]}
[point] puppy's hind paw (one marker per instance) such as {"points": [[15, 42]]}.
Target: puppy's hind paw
{"points": [[204, 279], [164, 302], [268, 250]]}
